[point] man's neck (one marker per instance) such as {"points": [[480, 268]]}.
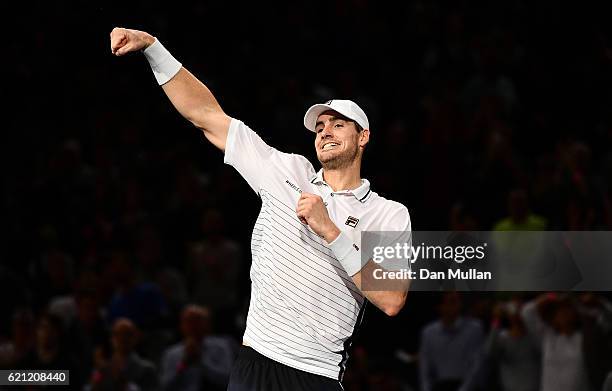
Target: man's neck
{"points": [[347, 178]]}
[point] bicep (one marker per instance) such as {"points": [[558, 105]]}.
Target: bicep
{"points": [[197, 104], [217, 129]]}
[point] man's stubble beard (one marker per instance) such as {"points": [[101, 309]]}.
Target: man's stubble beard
{"points": [[342, 160]]}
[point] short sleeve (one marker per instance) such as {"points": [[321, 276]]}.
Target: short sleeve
{"points": [[247, 153], [398, 220], [396, 230]]}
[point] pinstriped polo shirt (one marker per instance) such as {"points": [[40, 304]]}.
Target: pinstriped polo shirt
{"points": [[304, 307]]}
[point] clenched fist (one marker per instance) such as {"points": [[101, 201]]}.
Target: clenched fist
{"points": [[312, 211], [124, 41]]}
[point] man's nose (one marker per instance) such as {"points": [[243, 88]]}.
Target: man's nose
{"points": [[327, 131]]}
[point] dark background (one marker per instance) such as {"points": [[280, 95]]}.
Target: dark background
{"points": [[468, 101]]}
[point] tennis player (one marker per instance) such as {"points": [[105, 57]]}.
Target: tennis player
{"points": [[306, 270]]}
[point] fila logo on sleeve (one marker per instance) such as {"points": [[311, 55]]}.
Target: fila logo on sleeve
{"points": [[352, 221]]}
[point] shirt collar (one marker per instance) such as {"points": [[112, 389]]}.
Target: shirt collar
{"points": [[361, 193]]}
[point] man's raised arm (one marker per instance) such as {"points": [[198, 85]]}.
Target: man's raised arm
{"points": [[189, 95]]}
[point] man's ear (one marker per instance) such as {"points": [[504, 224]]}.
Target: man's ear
{"points": [[364, 138]]}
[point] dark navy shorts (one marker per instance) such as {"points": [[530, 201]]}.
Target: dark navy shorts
{"points": [[255, 372]]}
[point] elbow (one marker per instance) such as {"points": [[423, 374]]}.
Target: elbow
{"points": [[394, 307], [195, 115], [392, 310], [197, 121], [206, 119]]}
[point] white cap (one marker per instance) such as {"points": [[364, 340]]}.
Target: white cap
{"points": [[347, 108]]}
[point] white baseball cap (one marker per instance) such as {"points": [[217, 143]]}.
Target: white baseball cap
{"points": [[347, 108]]}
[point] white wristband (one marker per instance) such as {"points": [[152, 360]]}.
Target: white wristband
{"points": [[163, 64], [348, 253]]}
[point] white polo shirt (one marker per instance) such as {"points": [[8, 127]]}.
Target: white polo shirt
{"points": [[304, 306]]}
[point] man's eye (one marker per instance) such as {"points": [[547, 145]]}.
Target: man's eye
{"points": [[319, 130], [338, 125]]}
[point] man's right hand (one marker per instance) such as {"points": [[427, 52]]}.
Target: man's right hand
{"points": [[124, 41]]}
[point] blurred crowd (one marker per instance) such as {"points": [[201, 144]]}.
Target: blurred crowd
{"points": [[125, 240], [503, 342]]}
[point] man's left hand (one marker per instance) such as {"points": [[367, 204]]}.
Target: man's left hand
{"points": [[312, 211]]}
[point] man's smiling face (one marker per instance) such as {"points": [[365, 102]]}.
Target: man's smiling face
{"points": [[338, 140]]}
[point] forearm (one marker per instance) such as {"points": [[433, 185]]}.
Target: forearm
{"points": [[311, 211], [391, 300]]}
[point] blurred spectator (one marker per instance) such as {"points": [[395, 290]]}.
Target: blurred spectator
{"points": [[139, 301], [202, 360], [450, 349], [581, 187], [124, 369], [173, 288], [515, 357], [51, 351], [462, 219], [22, 340], [53, 274], [555, 324], [596, 316], [87, 330], [608, 383], [215, 263], [520, 218], [152, 267], [148, 253]]}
